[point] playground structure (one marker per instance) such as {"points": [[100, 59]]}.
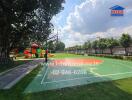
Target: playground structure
{"points": [[36, 51]]}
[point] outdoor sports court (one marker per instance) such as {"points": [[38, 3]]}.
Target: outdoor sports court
{"points": [[78, 70]]}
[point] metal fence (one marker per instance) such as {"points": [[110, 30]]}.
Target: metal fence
{"points": [[116, 51]]}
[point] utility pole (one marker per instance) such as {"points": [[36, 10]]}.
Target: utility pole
{"points": [[46, 53], [46, 49], [57, 38]]}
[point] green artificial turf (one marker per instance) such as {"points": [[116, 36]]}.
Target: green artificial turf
{"points": [[114, 90]]}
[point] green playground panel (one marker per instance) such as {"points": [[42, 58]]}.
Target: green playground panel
{"points": [[110, 69]]}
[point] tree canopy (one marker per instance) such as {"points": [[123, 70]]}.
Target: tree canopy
{"points": [[125, 41], [25, 21], [60, 46], [106, 43]]}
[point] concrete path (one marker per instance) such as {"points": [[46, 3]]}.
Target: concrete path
{"points": [[11, 77]]}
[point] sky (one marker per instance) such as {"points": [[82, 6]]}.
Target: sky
{"points": [[86, 20]]}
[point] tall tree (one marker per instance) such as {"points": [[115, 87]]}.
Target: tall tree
{"points": [[60, 46], [25, 18], [51, 46], [111, 43], [102, 44], [125, 41], [87, 46], [95, 45]]}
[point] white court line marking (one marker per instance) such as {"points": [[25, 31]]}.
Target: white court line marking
{"points": [[91, 70], [44, 76], [87, 77]]}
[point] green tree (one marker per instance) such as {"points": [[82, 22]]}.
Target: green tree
{"points": [[111, 43], [60, 46], [95, 45], [51, 46], [84, 46], [87, 45], [25, 18], [125, 41], [102, 44], [76, 48]]}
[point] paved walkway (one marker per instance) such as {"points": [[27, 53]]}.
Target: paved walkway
{"points": [[11, 77]]}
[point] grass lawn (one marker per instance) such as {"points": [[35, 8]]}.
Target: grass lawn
{"points": [[64, 55], [114, 90]]}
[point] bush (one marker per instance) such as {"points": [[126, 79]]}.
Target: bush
{"points": [[127, 58], [112, 56]]}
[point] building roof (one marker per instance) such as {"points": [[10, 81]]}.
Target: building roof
{"points": [[117, 7]]}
